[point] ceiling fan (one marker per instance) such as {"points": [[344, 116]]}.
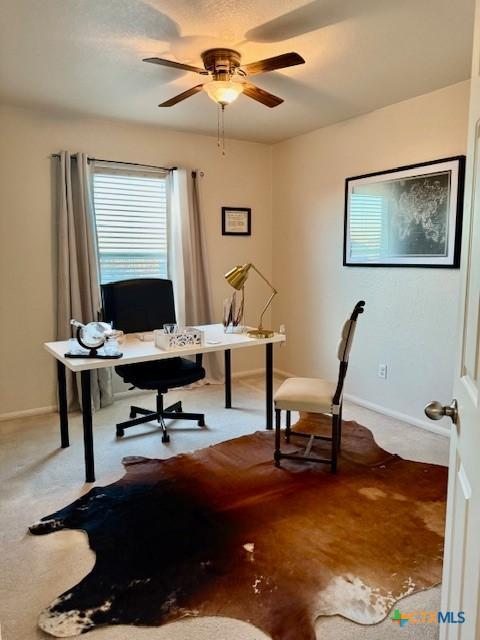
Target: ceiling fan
{"points": [[227, 76]]}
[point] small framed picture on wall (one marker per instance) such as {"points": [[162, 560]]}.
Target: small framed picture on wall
{"points": [[236, 221]]}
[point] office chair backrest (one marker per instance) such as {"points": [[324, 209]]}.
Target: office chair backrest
{"points": [[138, 305]]}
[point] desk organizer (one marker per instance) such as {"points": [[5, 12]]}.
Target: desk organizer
{"points": [[189, 337]]}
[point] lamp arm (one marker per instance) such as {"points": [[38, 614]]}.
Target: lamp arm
{"points": [[269, 301], [260, 323], [263, 277]]}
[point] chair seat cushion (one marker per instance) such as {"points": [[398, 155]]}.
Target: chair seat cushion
{"points": [[305, 394], [161, 374]]}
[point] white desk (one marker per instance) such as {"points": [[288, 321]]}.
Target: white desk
{"points": [[134, 351]]}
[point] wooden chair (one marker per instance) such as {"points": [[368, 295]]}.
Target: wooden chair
{"points": [[316, 396]]}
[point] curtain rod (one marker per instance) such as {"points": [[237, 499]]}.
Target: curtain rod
{"points": [[134, 164]]}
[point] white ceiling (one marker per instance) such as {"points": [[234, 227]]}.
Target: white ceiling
{"points": [[86, 56]]}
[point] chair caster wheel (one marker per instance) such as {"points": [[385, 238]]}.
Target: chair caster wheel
{"points": [[201, 423], [165, 438], [133, 414], [179, 409], [120, 433]]}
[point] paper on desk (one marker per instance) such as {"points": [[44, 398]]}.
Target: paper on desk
{"points": [[146, 336]]}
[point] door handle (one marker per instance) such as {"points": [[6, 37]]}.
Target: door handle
{"points": [[436, 411]]}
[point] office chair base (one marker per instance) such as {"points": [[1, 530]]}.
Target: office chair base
{"points": [[174, 411]]}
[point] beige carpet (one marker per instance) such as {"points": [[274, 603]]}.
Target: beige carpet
{"points": [[37, 478]]}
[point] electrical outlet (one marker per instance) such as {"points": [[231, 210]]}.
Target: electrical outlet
{"points": [[382, 371]]}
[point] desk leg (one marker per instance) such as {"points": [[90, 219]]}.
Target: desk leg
{"points": [[269, 384], [87, 427], [62, 404], [228, 379]]}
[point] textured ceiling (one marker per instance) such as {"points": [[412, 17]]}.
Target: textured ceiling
{"points": [[85, 56]]}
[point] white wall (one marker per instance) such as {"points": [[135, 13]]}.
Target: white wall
{"points": [[410, 321], [27, 275]]}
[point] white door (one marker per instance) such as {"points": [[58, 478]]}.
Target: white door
{"points": [[461, 574]]}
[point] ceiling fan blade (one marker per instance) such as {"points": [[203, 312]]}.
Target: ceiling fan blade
{"points": [[182, 96], [260, 95], [271, 64], [175, 65]]}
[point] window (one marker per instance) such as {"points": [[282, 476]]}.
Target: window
{"points": [[366, 225], [131, 220]]}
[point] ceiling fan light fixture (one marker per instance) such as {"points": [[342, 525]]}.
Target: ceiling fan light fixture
{"points": [[223, 92]]}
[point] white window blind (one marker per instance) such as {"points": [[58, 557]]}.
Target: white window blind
{"points": [[131, 220], [366, 225]]}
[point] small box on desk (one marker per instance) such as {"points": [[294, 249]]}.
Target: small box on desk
{"points": [[188, 337]]}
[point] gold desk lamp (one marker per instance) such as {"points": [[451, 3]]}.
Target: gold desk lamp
{"points": [[236, 278]]}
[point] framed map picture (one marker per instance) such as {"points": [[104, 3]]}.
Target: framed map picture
{"points": [[405, 217], [236, 221]]}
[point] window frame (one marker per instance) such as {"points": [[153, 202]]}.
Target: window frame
{"points": [[129, 171]]}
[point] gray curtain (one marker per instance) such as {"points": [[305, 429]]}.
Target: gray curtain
{"points": [[188, 264], [78, 289]]}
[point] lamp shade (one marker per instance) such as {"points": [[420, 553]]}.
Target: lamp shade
{"points": [[237, 276], [223, 92]]}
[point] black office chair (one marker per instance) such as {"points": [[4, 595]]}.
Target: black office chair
{"points": [[144, 305]]}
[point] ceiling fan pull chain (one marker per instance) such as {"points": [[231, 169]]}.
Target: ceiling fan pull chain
{"points": [[223, 129], [218, 126]]}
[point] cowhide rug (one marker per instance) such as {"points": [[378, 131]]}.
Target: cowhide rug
{"points": [[222, 532]]}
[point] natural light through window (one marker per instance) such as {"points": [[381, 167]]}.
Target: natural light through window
{"points": [[131, 220], [366, 225]]}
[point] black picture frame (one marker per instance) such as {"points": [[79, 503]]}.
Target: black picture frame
{"points": [[416, 171], [226, 229]]}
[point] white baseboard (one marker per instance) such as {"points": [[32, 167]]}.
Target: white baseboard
{"points": [[138, 392], [391, 413], [285, 374], [39, 411], [250, 372], [26, 413], [397, 415], [118, 395]]}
